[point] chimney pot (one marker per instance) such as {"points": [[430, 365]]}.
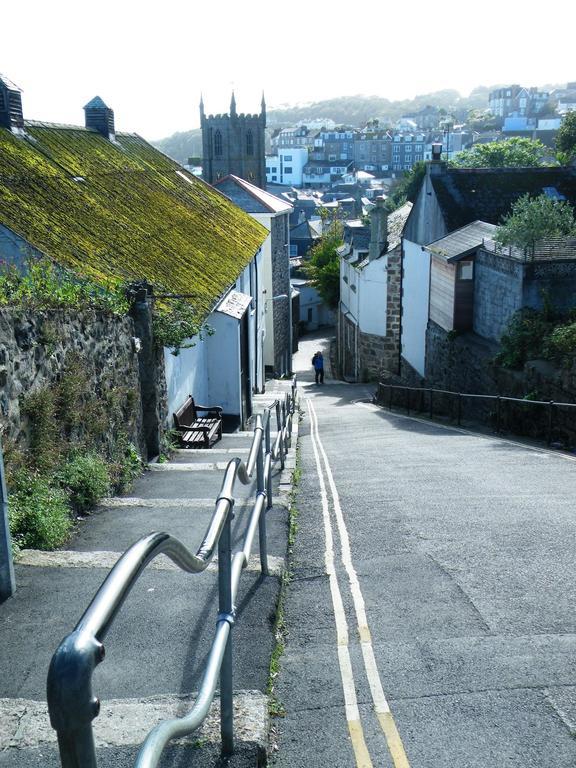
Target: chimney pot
{"points": [[100, 118]]}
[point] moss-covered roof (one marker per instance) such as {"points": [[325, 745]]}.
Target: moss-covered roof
{"points": [[122, 211]]}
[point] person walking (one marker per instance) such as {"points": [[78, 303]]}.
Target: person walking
{"points": [[318, 363]]}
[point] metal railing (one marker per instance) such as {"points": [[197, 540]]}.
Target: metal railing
{"points": [[71, 702], [437, 402]]}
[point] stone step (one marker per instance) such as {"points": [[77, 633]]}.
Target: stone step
{"points": [[28, 739], [107, 559]]}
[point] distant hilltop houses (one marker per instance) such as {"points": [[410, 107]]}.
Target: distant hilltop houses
{"points": [[318, 153]]}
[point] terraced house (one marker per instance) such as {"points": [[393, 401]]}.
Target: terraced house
{"points": [[110, 207]]}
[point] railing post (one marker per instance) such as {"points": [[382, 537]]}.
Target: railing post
{"points": [[7, 581], [262, 519], [459, 409], [390, 396], [408, 402], [498, 413], [550, 421], [226, 613], [268, 453], [431, 404], [421, 402]]}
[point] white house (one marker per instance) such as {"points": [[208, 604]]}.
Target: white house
{"points": [[272, 273], [369, 310], [287, 166]]}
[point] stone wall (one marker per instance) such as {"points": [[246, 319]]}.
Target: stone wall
{"points": [[35, 348], [465, 363], [281, 287]]}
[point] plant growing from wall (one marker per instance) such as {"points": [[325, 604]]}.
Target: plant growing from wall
{"points": [[176, 325], [44, 285], [38, 512]]}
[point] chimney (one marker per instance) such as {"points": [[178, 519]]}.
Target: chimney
{"points": [[100, 118], [436, 166], [378, 229], [11, 115]]}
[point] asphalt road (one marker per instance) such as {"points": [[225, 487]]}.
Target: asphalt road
{"points": [[431, 614]]}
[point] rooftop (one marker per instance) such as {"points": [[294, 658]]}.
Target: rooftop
{"points": [[122, 210], [464, 240], [487, 194], [251, 198]]}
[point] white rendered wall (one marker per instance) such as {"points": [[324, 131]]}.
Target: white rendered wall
{"points": [[415, 294], [372, 297], [223, 363], [266, 275], [186, 374]]}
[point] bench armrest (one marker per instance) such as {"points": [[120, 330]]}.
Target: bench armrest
{"points": [[211, 408]]}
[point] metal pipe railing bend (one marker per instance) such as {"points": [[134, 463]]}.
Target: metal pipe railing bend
{"points": [[71, 703]]}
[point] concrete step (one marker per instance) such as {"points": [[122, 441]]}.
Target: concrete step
{"points": [[28, 739]]}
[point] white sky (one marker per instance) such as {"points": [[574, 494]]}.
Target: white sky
{"points": [[150, 60]]}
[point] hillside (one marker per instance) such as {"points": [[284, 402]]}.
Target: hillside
{"points": [[345, 110]]}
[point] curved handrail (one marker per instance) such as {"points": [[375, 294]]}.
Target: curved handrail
{"points": [[71, 704]]}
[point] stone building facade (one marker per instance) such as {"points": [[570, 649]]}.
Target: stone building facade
{"points": [[234, 144]]}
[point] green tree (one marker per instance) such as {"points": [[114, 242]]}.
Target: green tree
{"points": [[536, 218], [516, 152], [566, 139], [324, 266]]}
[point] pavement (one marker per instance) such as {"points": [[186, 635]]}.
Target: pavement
{"points": [[430, 616], [157, 648]]}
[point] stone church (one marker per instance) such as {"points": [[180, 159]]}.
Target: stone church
{"points": [[234, 144]]}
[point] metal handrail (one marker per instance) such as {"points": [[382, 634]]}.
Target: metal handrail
{"points": [[71, 703], [499, 399]]}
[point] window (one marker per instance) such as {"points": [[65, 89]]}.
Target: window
{"points": [[331, 158], [217, 143], [249, 143], [465, 270], [267, 169], [310, 314], [293, 251], [418, 148], [274, 178], [288, 169], [2, 102], [287, 158]]}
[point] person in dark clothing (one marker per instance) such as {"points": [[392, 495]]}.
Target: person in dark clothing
{"points": [[318, 363]]}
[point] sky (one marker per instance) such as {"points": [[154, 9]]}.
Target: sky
{"points": [[150, 61]]}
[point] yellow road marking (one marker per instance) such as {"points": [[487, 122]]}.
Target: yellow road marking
{"points": [[355, 729], [381, 707]]}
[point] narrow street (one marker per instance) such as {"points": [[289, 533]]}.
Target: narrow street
{"points": [[430, 615]]}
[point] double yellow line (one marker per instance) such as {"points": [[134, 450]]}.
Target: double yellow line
{"points": [[381, 708]]}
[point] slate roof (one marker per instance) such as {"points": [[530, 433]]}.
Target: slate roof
{"points": [[251, 198], [122, 210], [96, 103], [304, 231], [463, 241], [9, 84], [396, 223], [487, 194]]}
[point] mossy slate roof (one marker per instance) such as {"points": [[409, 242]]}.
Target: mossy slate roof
{"points": [[122, 211]]}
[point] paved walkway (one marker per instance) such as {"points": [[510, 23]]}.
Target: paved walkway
{"points": [[430, 616], [156, 650]]}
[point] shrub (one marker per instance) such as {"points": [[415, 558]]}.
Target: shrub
{"points": [[86, 479], [126, 464], [562, 341], [38, 513], [524, 338]]}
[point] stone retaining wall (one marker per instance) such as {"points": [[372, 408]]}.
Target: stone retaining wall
{"points": [[35, 349]]}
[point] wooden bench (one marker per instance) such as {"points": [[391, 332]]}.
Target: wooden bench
{"points": [[198, 431]]}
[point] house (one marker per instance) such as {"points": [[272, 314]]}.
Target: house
{"points": [[273, 213], [516, 101], [313, 312], [286, 166], [449, 199], [370, 291], [303, 236], [109, 206], [319, 173]]}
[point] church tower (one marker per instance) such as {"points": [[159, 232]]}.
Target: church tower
{"points": [[234, 143]]}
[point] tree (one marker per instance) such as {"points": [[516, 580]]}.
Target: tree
{"points": [[566, 138], [516, 152], [536, 218], [324, 266]]}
